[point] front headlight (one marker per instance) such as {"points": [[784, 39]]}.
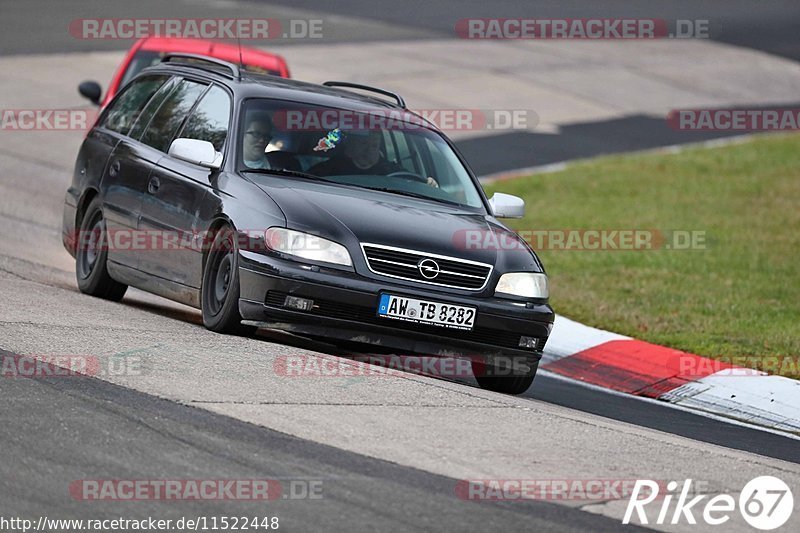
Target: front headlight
{"points": [[307, 246], [525, 284]]}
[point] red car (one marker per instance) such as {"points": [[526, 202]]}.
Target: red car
{"points": [[149, 51]]}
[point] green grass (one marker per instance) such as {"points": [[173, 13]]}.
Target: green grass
{"points": [[738, 297]]}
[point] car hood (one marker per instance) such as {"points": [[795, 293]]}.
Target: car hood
{"points": [[352, 216]]}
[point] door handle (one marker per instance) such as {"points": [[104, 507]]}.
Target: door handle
{"points": [[114, 168], [153, 185]]}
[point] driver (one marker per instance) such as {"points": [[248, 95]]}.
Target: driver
{"points": [[362, 155]]}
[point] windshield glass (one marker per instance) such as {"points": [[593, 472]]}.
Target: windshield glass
{"points": [[384, 149]]}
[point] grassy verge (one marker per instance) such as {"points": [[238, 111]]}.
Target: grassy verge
{"points": [[739, 296]]}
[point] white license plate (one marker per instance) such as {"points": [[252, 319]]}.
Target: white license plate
{"points": [[427, 312]]}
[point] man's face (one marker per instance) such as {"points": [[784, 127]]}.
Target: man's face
{"points": [[256, 138], [364, 150]]}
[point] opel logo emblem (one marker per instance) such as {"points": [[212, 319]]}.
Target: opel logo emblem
{"points": [[428, 268]]}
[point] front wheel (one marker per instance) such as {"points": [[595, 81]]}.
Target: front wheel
{"points": [[496, 379], [219, 298]]}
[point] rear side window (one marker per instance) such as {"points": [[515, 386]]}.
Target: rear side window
{"points": [[122, 113], [210, 119], [151, 108], [170, 116]]}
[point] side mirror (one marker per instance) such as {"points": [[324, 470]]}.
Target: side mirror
{"points": [[91, 91], [196, 151], [507, 205]]}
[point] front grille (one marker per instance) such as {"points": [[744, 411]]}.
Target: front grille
{"points": [[405, 264], [367, 315]]}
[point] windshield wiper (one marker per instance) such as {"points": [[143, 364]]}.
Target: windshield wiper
{"points": [[411, 194], [300, 174], [287, 172]]}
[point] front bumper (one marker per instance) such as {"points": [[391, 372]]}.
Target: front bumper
{"points": [[345, 308]]}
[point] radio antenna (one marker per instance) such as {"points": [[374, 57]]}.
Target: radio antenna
{"points": [[241, 61]]}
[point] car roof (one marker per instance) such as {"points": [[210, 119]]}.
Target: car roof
{"points": [[226, 51], [253, 85]]}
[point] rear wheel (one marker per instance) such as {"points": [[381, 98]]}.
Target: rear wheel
{"points": [[91, 270], [219, 294], [497, 380]]}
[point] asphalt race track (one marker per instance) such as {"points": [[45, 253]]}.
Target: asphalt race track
{"points": [[161, 436], [388, 451]]}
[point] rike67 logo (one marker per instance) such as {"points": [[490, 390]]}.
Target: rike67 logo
{"points": [[766, 503]]}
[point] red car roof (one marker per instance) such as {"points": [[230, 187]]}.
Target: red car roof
{"points": [[252, 57], [220, 50]]}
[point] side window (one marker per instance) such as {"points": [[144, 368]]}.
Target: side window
{"points": [[210, 119], [150, 109], [171, 114], [123, 112]]}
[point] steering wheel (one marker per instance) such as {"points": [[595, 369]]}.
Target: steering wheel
{"points": [[405, 174]]}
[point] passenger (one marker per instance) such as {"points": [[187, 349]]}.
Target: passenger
{"points": [[257, 135]]}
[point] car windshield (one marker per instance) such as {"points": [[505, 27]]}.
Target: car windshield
{"points": [[143, 59], [383, 149]]}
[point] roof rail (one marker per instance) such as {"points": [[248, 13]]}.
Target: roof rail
{"points": [[197, 57], [397, 97], [429, 121]]}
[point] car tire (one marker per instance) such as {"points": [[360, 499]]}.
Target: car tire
{"points": [[219, 292], [516, 384], [91, 269]]}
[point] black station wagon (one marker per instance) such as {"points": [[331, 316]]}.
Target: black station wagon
{"points": [[330, 211]]}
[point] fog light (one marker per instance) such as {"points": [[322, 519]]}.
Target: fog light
{"points": [[301, 304], [528, 342]]}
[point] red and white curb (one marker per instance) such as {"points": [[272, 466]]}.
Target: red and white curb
{"points": [[627, 365]]}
